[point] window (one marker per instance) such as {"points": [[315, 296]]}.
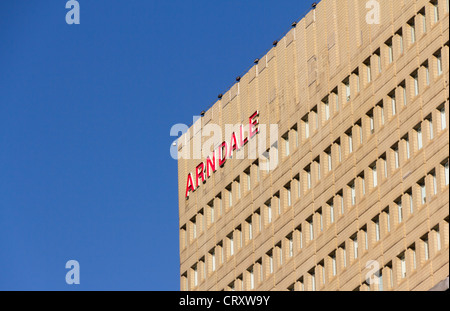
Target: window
{"points": [[278, 202], [308, 176], [237, 184], [219, 204], [331, 207], [311, 228], [270, 259], [279, 250], [423, 192], [249, 228], [384, 163], [248, 179], [446, 172], [326, 107], [380, 280], [295, 133], [299, 186], [313, 280], [355, 75], [288, 194], [424, 20], [221, 250], [390, 50], [269, 212], [393, 103], [346, 83], [195, 274], [429, 119], [185, 281], [316, 117], [362, 181], [183, 237], [333, 263], [320, 216], [359, 128], [329, 158], [194, 227], [349, 140], [344, 254], [387, 217], [415, 78], [435, 6], [353, 192], [363, 230], [321, 267], [211, 212], [402, 260], [402, 87], [340, 199], [251, 277], [412, 29], [432, 178], [409, 197], [239, 235], [427, 72], [299, 236], [337, 144], [405, 140], [418, 130], [373, 168], [291, 245], [380, 110], [301, 284], [398, 202], [426, 247], [368, 70], [378, 58], [443, 116], [391, 274], [306, 126], [371, 121], [212, 255], [399, 35], [438, 57], [437, 236], [229, 190], [335, 95], [355, 246], [231, 244], [286, 144], [317, 167], [258, 171], [412, 253], [258, 219], [396, 156], [376, 222]]}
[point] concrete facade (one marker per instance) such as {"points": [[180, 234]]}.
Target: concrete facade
{"points": [[361, 188]]}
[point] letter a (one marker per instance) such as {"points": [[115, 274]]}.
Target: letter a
{"points": [[73, 276], [373, 16], [73, 16]]}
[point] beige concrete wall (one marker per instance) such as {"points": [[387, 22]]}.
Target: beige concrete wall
{"points": [[313, 59]]}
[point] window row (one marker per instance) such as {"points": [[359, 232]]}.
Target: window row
{"points": [[378, 278]]}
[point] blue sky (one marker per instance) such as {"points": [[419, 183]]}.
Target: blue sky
{"points": [[85, 115]]}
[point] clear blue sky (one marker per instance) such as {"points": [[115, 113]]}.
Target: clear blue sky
{"points": [[85, 114]]}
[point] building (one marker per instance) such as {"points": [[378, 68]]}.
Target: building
{"points": [[359, 199]]}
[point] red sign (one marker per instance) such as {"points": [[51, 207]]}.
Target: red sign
{"points": [[204, 170]]}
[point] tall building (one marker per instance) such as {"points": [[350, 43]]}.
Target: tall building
{"points": [[358, 198]]}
